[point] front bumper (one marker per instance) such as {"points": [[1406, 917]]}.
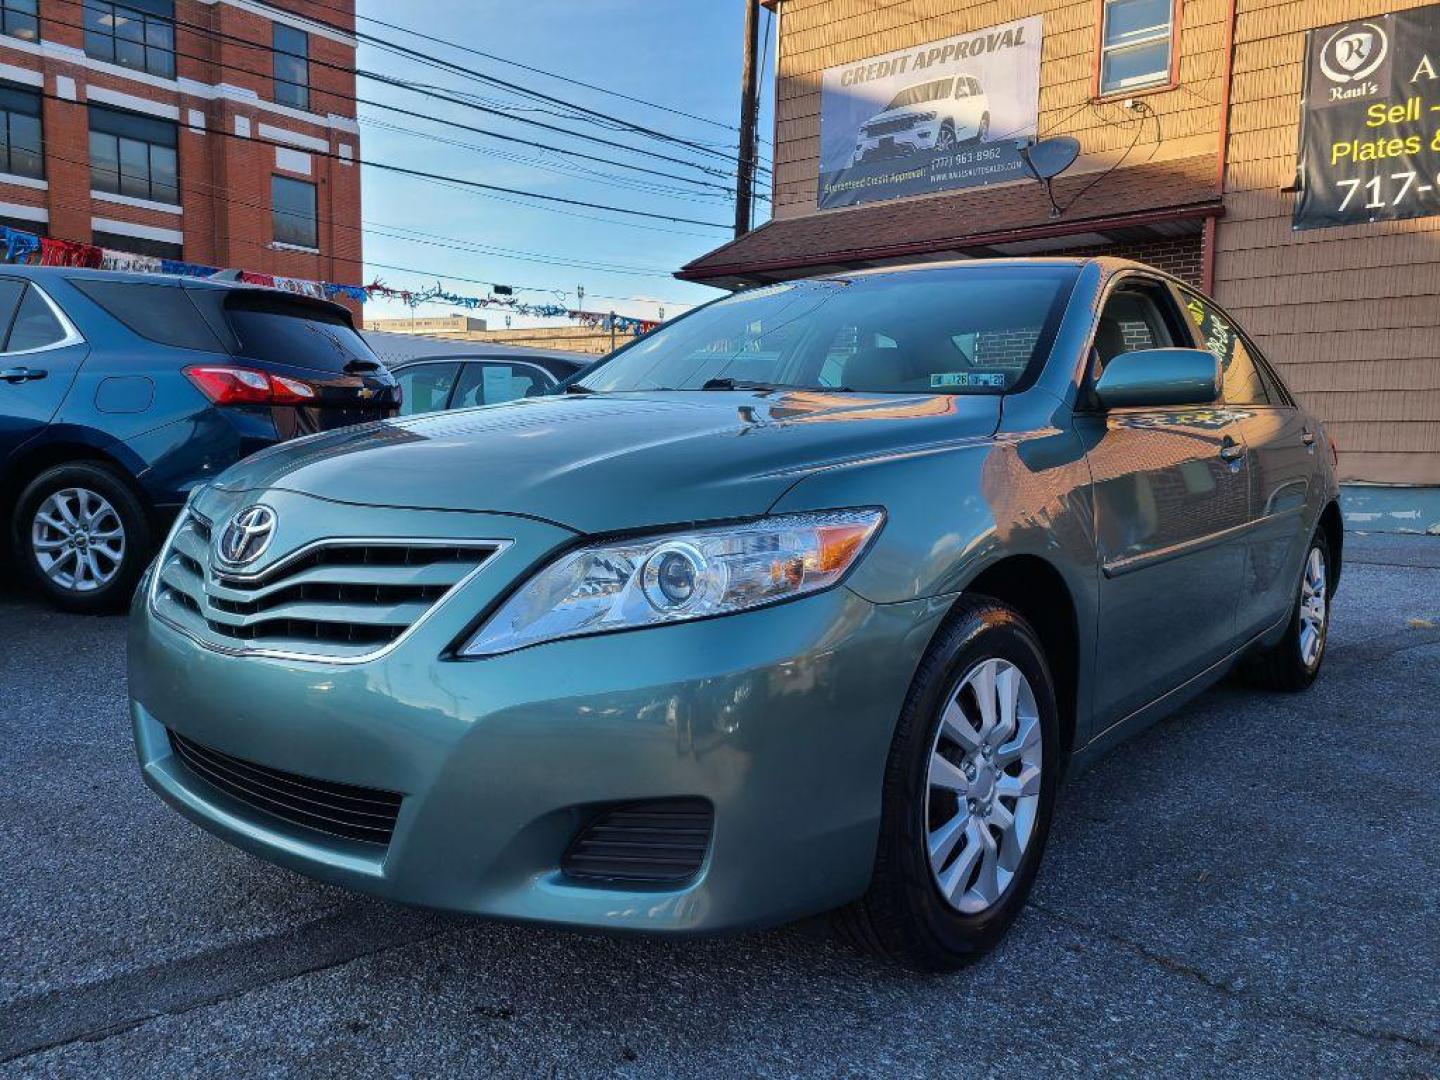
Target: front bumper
{"points": [[781, 718], [890, 147]]}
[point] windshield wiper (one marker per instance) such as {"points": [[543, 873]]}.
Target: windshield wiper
{"points": [[726, 383], [576, 388]]}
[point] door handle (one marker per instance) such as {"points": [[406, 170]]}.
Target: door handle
{"points": [[21, 374], [1308, 438], [1230, 450]]}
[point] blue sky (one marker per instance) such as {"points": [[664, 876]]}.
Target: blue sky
{"points": [[685, 54]]}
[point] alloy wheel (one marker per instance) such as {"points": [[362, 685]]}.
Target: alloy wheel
{"points": [[983, 785], [78, 539], [946, 139], [1314, 609]]}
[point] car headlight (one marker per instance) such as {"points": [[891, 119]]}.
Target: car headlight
{"points": [[672, 577]]}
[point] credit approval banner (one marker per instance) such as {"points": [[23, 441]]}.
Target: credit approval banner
{"points": [[1370, 121], [946, 114]]}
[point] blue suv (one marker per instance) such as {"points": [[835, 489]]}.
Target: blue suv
{"points": [[121, 392]]}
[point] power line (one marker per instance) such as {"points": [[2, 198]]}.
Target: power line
{"points": [[574, 171], [516, 63], [252, 241], [437, 95], [463, 182], [221, 193], [356, 100], [516, 88]]}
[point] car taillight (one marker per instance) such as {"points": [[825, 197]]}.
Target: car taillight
{"points": [[1334, 451], [290, 391], [226, 385]]}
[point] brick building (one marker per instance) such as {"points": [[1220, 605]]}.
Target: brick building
{"points": [[221, 132], [1188, 117]]}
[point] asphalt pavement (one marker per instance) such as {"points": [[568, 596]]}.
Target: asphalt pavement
{"points": [[1252, 887]]}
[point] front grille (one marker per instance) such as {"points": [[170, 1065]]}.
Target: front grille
{"points": [[662, 842], [340, 599], [355, 813], [890, 127]]}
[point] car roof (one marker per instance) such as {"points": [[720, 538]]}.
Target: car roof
{"points": [[399, 349], [78, 273], [1110, 264], [41, 273]]}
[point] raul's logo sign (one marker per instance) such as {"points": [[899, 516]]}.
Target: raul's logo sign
{"points": [[1354, 52]]}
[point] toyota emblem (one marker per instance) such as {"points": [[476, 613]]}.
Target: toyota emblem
{"points": [[247, 536]]}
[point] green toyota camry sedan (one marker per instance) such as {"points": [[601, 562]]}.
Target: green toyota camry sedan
{"points": [[805, 602]]}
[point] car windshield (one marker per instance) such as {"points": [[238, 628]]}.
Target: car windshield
{"points": [[921, 93], [957, 330]]}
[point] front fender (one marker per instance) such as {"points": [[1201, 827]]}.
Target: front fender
{"points": [[953, 511]]}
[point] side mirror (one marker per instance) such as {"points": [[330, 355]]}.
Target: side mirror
{"points": [[1155, 377]]}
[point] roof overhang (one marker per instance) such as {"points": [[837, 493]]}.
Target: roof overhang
{"points": [[1150, 203]]}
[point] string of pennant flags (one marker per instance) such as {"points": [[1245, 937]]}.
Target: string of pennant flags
{"points": [[27, 247]]}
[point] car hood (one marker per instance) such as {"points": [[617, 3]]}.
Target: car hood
{"points": [[605, 462]]}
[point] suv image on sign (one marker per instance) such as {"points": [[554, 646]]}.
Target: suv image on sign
{"points": [[806, 600], [934, 115], [120, 392]]}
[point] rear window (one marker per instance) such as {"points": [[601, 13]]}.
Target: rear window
{"points": [[159, 313], [274, 328]]}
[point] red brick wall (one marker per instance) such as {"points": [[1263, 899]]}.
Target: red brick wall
{"points": [[1182, 256], [224, 180]]}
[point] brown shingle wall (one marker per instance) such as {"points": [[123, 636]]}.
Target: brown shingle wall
{"points": [[816, 34], [1348, 314]]}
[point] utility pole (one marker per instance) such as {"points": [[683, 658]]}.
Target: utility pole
{"points": [[745, 154]]}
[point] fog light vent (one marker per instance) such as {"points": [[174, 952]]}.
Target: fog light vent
{"points": [[662, 842]]}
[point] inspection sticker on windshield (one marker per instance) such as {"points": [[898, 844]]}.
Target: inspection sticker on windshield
{"points": [[947, 379]]}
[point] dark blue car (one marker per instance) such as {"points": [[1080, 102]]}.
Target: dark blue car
{"points": [[120, 392]]}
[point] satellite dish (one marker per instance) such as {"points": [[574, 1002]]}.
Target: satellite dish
{"points": [[1048, 158]]}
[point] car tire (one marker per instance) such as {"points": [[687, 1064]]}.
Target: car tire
{"points": [[945, 140], [906, 916], [1293, 663], [83, 537]]}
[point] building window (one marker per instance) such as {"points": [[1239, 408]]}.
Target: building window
{"points": [[22, 153], [292, 211], [133, 155], [1137, 44], [138, 34], [292, 66], [18, 18], [137, 245], [23, 225]]}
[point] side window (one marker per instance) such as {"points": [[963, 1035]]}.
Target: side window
{"points": [[1241, 380], [35, 325], [491, 383], [962, 88], [1134, 318], [425, 387], [10, 293], [974, 86], [160, 313]]}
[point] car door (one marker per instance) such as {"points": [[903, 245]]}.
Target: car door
{"points": [[40, 354], [426, 386], [1171, 501], [490, 382], [1280, 449]]}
